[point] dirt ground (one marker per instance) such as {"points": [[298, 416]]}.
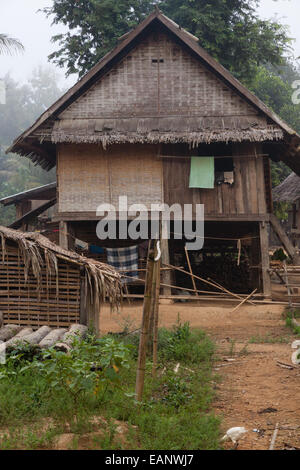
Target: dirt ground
{"points": [[252, 390]]}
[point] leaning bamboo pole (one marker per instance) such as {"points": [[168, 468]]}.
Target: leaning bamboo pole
{"points": [[204, 280], [156, 317], [140, 375], [190, 269]]}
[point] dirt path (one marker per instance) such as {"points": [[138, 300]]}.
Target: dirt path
{"points": [[252, 390]]}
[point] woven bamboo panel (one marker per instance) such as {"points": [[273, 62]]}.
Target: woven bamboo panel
{"points": [[158, 76], [55, 303], [89, 176]]}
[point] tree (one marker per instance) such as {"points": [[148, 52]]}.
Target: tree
{"points": [[273, 87], [230, 30], [8, 44], [23, 105]]}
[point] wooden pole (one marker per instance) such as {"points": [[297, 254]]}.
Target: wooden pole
{"points": [[190, 268], [243, 301], [286, 277], [156, 317], [63, 235], [153, 300], [205, 281], [265, 260], [140, 374], [165, 256]]}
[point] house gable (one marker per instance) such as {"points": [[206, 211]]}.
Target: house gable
{"points": [[159, 77]]}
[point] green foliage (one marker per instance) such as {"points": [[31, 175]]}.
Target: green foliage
{"points": [[279, 255], [182, 344], [273, 85], [98, 380], [268, 339], [9, 44], [231, 31], [177, 391], [289, 315]]}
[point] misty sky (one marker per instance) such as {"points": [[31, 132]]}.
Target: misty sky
{"points": [[20, 19]]}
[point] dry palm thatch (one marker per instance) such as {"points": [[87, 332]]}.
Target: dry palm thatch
{"points": [[288, 190], [9, 45], [102, 282]]}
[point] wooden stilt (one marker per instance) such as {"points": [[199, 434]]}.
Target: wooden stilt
{"points": [[63, 234], [265, 260]]}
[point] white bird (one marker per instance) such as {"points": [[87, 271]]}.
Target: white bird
{"points": [[234, 434]]}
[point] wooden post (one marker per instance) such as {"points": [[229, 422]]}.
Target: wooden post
{"points": [[83, 308], [254, 259], [165, 258], [140, 374], [156, 316], [63, 235], [265, 260], [153, 299]]}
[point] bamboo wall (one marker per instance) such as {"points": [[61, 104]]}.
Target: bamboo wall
{"points": [[159, 75], [89, 176], [54, 304]]}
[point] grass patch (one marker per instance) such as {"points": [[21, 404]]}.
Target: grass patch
{"points": [[268, 339], [289, 315], [98, 379]]}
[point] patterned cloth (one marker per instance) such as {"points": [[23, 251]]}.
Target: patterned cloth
{"points": [[124, 258]]}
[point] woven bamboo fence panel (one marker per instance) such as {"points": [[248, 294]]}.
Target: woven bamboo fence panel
{"points": [[55, 303], [90, 176]]}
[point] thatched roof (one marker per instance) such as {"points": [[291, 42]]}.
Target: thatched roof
{"points": [[39, 141], [102, 282], [288, 190]]}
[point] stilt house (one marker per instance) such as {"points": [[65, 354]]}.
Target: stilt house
{"points": [[160, 121]]}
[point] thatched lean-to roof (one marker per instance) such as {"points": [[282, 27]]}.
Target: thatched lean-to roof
{"points": [[288, 190], [52, 127], [102, 282], [161, 130]]}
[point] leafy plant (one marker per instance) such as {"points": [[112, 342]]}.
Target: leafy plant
{"points": [[182, 344], [176, 391]]}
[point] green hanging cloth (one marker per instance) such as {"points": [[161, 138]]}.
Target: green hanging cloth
{"points": [[202, 174]]}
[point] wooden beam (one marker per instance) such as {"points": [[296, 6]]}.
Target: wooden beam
{"points": [[284, 239], [31, 214], [91, 215]]}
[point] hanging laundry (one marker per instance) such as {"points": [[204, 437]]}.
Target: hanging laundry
{"points": [[202, 172], [96, 250], [124, 258]]}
